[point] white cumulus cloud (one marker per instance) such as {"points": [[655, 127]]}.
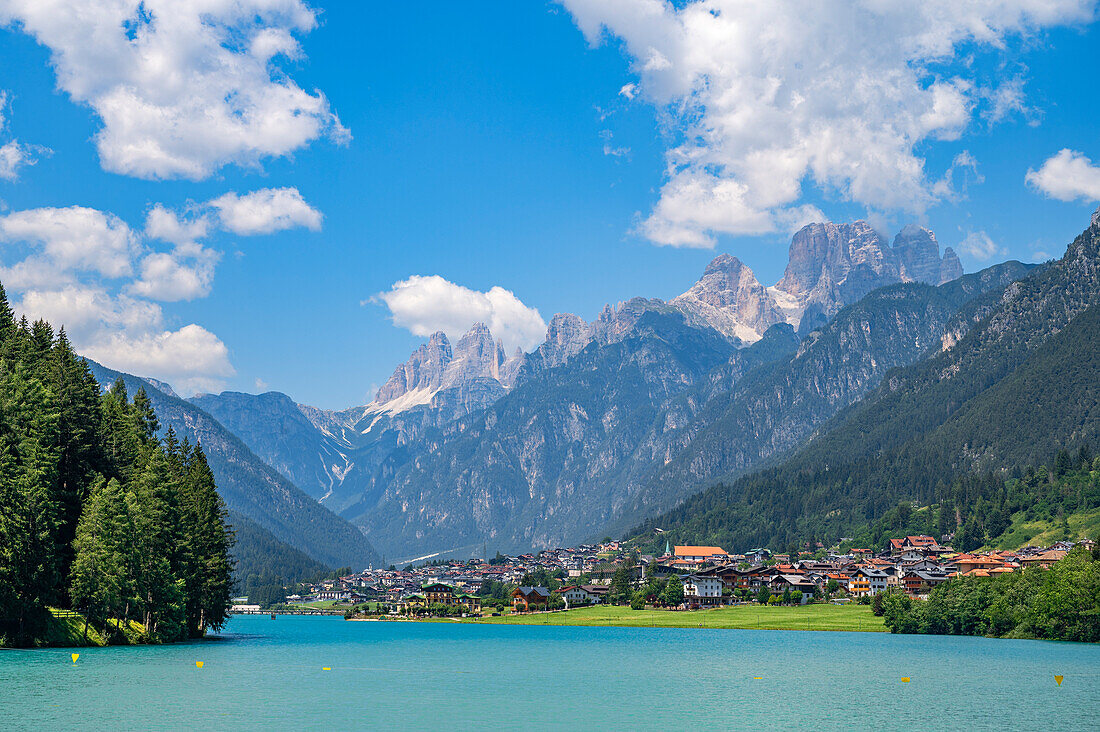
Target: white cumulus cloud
{"points": [[182, 87], [171, 277], [67, 240], [129, 334], [265, 211], [980, 246], [89, 271], [766, 95], [1067, 176], [191, 358], [426, 304]]}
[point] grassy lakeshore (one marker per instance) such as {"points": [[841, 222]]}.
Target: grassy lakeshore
{"points": [[744, 617]]}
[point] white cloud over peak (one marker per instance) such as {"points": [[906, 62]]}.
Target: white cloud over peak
{"points": [[265, 211], [765, 95], [426, 304], [978, 245], [182, 87], [191, 358], [130, 334], [1067, 176]]}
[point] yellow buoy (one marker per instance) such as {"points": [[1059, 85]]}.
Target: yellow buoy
{"points": [[198, 664], [757, 678], [77, 655], [905, 679], [1058, 679], [326, 668]]}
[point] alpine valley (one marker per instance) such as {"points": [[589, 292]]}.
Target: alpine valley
{"points": [[606, 423]]}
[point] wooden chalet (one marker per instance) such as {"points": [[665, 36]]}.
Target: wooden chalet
{"points": [[526, 599]]}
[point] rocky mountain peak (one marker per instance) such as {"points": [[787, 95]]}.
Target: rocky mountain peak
{"points": [[476, 355], [435, 366], [918, 255], [566, 336], [824, 254], [950, 268], [1096, 219], [423, 370], [730, 299]]}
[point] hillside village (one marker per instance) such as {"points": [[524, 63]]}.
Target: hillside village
{"points": [[707, 575]]}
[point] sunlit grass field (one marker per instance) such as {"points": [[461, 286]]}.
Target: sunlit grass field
{"points": [[805, 617]]}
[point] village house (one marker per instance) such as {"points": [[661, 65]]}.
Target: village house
{"points": [[868, 582], [921, 581], [583, 595], [444, 594], [1044, 559], [701, 590], [783, 582], [526, 599]]}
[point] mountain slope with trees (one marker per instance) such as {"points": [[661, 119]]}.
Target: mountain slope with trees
{"points": [[253, 489], [1016, 382]]}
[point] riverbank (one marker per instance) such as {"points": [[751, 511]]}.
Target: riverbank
{"points": [[738, 617]]}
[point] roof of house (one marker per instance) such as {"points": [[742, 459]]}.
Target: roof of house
{"points": [[528, 591], [698, 551]]}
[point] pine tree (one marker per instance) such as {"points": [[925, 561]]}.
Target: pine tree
{"points": [[209, 540], [101, 581], [30, 516]]}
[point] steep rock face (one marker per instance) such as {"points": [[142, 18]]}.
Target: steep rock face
{"points": [[729, 299], [435, 366], [918, 255], [566, 336], [278, 431], [423, 372], [829, 266], [832, 265]]}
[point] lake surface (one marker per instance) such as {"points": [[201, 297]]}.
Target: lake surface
{"points": [[268, 673]]}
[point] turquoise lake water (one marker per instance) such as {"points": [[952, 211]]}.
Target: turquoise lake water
{"points": [[265, 674]]}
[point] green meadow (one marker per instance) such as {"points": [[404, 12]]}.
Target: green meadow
{"points": [[744, 617]]}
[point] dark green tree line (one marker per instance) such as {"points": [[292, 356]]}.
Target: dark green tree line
{"points": [[97, 513]]}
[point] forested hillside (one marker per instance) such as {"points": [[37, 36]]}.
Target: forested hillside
{"points": [[1021, 384], [255, 490], [96, 513]]}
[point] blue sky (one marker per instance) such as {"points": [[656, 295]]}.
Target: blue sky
{"points": [[495, 145]]}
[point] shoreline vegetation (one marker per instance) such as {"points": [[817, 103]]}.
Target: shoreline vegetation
{"points": [[104, 522]]}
